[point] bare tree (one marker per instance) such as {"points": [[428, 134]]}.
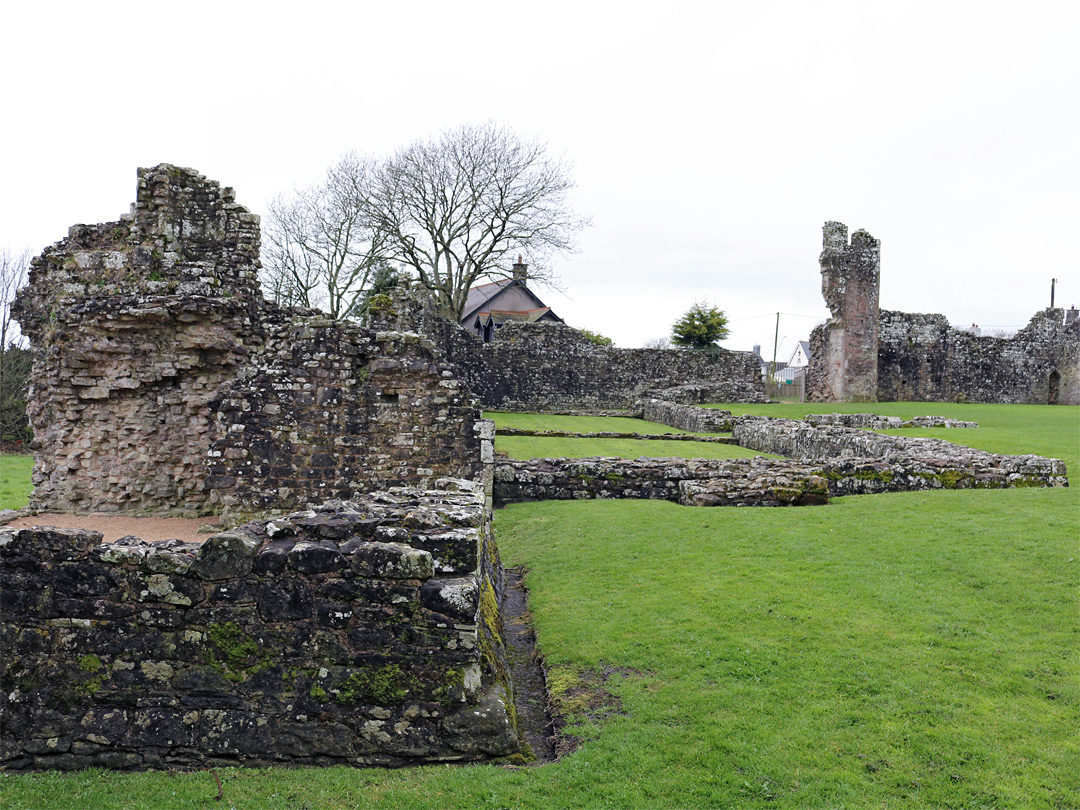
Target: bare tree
{"points": [[658, 343], [15, 358], [457, 209], [319, 247]]}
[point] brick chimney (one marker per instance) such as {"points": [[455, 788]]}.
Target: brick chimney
{"points": [[520, 270]]}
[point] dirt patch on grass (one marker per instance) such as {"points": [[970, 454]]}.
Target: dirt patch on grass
{"points": [[113, 527], [579, 699]]}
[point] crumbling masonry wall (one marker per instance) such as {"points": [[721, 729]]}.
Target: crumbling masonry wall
{"points": [[922, 358], [686, 417], [552, 367], [866, 354], [363, 633], [822, 461], [844, 350], [164, 383], [135, 325]]}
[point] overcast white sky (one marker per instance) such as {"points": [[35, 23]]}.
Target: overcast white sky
{"points": [[710, 141]]}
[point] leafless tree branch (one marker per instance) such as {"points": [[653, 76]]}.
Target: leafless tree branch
{"points": [[458, 209]]}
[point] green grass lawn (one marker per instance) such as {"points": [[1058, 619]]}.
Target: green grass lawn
{"points": [[577, 424], [551, 447], [889, 651], [15, 486], [547, 447]]}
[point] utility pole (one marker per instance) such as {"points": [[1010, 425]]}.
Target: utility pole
{"points": [[1053, 281], [776, 339]]}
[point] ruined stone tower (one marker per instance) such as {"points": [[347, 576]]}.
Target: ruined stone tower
{"points": [[136, 325], [164, 383], [845, 348]]}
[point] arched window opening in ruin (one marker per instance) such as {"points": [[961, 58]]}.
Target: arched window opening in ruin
{"points": [[1055, 385]]}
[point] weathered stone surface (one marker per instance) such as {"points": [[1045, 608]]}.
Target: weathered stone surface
{"points": [[483, 728], [550, 366], [312, 558], [391, 561], [457, 598], [163, 382], [867, 354], [922, 358], [875, 422], [226, 555], [844, 349], [311, 655], [822, 461], [687, 417], [612, 434], [861, 461]]}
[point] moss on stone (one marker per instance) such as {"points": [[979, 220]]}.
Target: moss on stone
{"points": [[383, 686], [951, 479], [234, 655]]}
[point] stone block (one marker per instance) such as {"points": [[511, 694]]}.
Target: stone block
{"points": [[457, 598], [225, 555], [391, 561]]}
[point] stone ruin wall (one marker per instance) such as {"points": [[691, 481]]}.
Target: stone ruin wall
{"points": [[922, 358], [821, 461], [866, 354], [164, 383], [844, 350], [135, 325], [686, 417], [332, 410], [365, 633], [551, 367]]}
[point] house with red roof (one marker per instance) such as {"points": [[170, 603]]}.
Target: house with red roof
{"points": [[489, 306]]}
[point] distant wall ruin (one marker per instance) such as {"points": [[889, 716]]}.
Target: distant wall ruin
{"points": [[551, 367], [922, 358], [163, 382], [821, 461], [865, 354], [843, 351]]}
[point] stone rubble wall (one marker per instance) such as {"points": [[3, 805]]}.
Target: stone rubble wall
{"points": [[362, 633], [332, 410], [950, 463], [164, 383], [876, 422], [738, 482], [866, 354], [922, 358], [134, 326], [822, 462], [696, 393], [843, 351], [609, 434], [687, 417], [551, 367]]}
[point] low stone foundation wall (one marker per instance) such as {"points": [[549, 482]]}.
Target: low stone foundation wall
{"points": [[361, 633], [801, 440], [822, 462], [876, 422], [610, 434], [687, 417], [739, 482]]}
